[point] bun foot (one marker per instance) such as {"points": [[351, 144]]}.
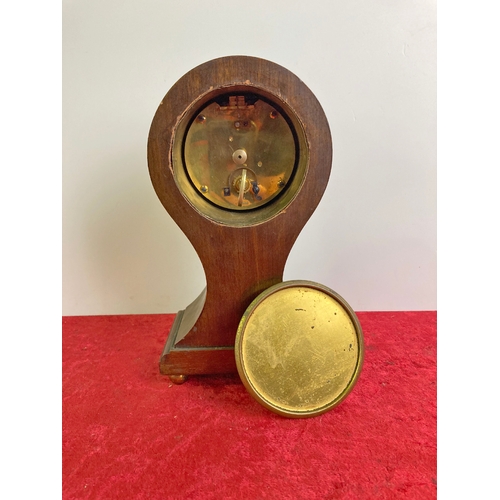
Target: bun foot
{"points": [[178, 379]]}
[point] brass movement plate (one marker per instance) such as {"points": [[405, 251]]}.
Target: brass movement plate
{"points": [[240, 157], [240, 152], [299, 349]]}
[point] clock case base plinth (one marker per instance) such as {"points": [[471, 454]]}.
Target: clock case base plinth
{"points": [[181, 361], [201, 339]]}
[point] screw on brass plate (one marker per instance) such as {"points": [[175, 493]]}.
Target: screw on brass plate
{"points": [[259, 164], [273, 114], [281, 183], [201, 119], [237, 124], [204, 189]]}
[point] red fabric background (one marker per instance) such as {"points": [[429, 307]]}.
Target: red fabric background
{"points": [[129, 433]]}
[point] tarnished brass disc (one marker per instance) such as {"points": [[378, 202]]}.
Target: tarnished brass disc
{"points": [[299, 348]]}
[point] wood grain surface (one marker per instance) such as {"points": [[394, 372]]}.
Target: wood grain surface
{"points": [[239, 261]]}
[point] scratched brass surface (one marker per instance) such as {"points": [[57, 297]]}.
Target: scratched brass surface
{"points": [[239, 156], [299, 349]]}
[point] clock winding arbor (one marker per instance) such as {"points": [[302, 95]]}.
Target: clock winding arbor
{"points": [[239, 154]]}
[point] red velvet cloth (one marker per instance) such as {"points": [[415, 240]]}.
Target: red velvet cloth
{"points": [[129, 433]]}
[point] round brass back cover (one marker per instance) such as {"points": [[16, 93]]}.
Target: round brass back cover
{"points": [[299, 349]]}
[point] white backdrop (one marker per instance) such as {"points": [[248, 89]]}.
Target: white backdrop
{"points": [[372, 66]]}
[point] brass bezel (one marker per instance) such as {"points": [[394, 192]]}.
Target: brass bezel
{"points": [[222, 215]]}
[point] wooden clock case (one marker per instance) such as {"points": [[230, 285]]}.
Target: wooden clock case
{"points": [[242, 253]]}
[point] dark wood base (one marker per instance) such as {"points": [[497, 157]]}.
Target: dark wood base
{"points": [[178, 362]]}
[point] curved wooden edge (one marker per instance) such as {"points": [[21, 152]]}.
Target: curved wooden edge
{"points": [[219, 75], [260, 250]]}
